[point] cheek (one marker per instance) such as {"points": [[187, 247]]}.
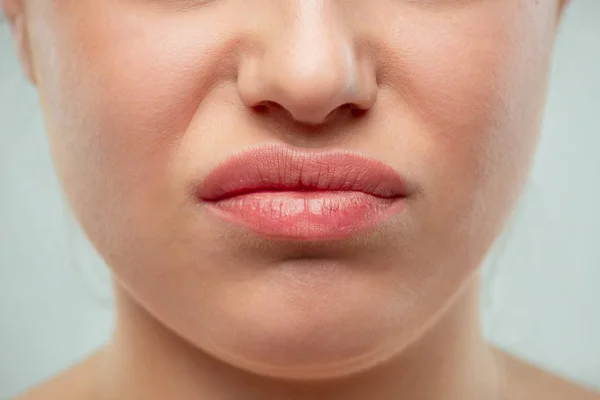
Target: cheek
{"points": [[475, 82], [474, 71], [118, 97], [472, 83]]}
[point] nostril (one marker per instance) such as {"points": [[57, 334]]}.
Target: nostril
{"points": [[264, 106], [348, 109], [353, 109], [357, 112]]}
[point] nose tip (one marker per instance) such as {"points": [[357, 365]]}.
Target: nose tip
{"points": [[314, 78]]}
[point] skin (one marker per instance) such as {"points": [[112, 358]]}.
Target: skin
{"points": [[142, 96]]}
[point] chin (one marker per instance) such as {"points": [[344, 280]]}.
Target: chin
{"points": [[305, 349], [304, 332]]}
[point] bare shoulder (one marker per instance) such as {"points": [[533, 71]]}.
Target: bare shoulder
{"points": [[527, 381], [72, 384]]}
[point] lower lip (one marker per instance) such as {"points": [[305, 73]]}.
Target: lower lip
{"points": [[304, 215]]}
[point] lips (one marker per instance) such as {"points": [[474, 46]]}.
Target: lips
{"points": [[281, 192]]}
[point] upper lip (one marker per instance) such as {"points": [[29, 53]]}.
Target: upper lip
{"points": [[281, 168]]}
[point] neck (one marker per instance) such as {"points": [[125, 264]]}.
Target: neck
{"points": [[450, 361]]}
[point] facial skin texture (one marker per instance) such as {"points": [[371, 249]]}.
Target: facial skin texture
{"points": [[141, 97]]}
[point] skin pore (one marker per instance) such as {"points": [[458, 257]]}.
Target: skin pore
{"points": [[142, 97]]}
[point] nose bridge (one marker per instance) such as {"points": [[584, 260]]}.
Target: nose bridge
{"points": [[309, 67], [320, 49]]}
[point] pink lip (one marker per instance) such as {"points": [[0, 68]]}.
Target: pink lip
{"points": [[278, 191]]}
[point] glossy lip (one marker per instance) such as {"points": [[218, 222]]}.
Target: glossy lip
{"points": [[283, 192]]}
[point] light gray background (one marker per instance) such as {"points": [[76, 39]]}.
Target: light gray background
{"points": [[541, 284]]}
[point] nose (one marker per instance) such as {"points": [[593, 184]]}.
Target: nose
{"points": [[310, 68]]}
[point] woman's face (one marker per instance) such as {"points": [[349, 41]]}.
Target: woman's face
{"points": [[144, 97]]}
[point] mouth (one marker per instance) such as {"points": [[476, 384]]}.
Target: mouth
{"points": [[280, 192]]}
